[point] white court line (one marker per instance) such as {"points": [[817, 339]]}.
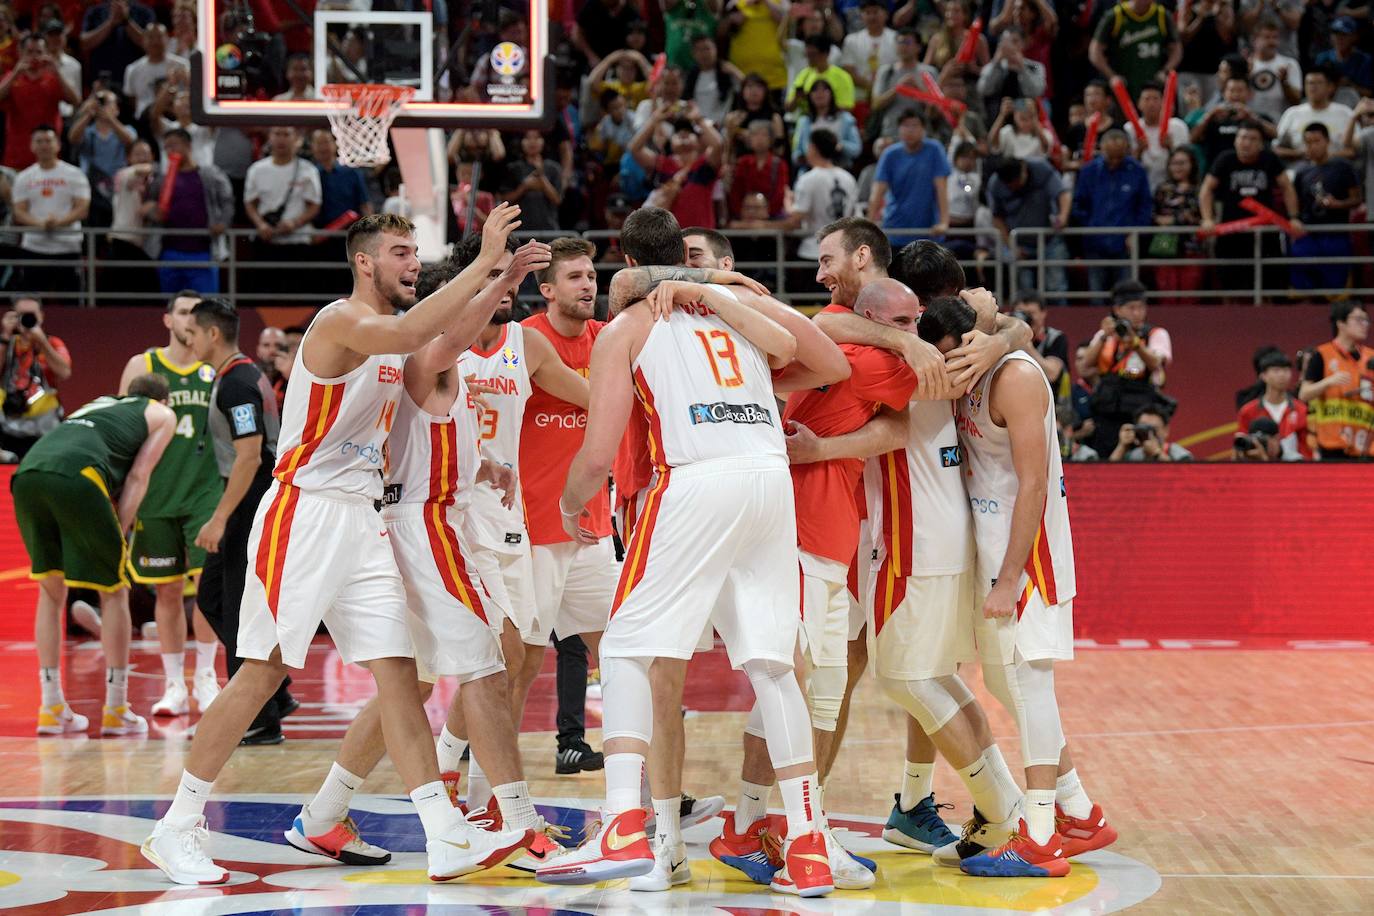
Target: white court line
{"points": [[1268, 877]]}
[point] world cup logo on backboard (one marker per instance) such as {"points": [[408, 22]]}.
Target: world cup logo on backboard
{"points": [[507, 60]]}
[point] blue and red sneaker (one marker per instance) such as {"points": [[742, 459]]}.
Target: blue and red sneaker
{"points": [[1083, 834], [1020, 857], [757, 851]]}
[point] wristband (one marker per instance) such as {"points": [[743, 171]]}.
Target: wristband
{"points": [[565, 513]]}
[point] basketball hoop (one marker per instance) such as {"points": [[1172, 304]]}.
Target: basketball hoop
{"points": [[360, 115]]}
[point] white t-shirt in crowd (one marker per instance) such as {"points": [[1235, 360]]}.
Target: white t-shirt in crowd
{"points": [[707, 97], [69, 68], [140, 79], [1015, 145], [1295, 120], [865, 55], [1155, 157], [52, 192], [823, 196], [1266, 87], [297, 184]]}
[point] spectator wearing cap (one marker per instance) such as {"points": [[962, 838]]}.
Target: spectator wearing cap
{"points": [[1277, 404], [1328, 189], [202, 204], [760, 171], [1147, 439], [1319, 108], [112, 36], [68, 67], [1113, 190], [887, 105], [866, 51], [909, 188], [750, 27], [29, 97], [819, 67], [1275, 79], [1354, 68], [1010, 74]]}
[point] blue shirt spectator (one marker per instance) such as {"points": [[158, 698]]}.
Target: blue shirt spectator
{"points": [[1112, 190], [909, 184], [1354, 67], [341, 188], [112, 34]]}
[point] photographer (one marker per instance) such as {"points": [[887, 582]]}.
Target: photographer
{"points": [[33, 364], [1147, 439], [1050, 348], [1131, 356], [1278, 406], [1338, 386], [1259, 442]]}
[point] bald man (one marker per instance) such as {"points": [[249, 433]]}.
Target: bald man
{"points": [[270, 342]]}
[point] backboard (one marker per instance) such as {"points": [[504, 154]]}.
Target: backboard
{"points": [[260, 63]]}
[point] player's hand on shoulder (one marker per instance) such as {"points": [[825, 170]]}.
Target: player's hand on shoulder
{"points": [[734, 278], [670, 293], [976, 354]]}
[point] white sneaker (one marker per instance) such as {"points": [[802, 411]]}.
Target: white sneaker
{"points": [[60, 719], [175, 701], [205, 687], [122, 720], [692, 812], [671, 868], [178, 848], [546, 847], [86, 617], [464, 849], [846, 871], [338, 840]]}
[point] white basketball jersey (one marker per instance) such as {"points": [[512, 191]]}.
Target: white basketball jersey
{"points": [[992, 489], [333, 431], [433, 459], [503, 368], [706, 390]]}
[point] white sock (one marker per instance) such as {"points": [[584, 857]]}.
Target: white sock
{"points": [[479, 787], [668, 821], [1040, 814], [437, 814], [205, 656], [981, 783], [753, 804], [622, 782], [335, 795], [1005, 778], [1068, 792], [116, 687], [192, 794], [173, 666], [517, 810], [449, 748], [50, 680], [916, 784], [801, 797]]}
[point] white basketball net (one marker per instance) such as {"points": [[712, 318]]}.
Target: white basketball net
{"points": [[360, 116]]}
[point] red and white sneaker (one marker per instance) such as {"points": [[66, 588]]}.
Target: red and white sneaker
{"points": [[1084, 834], [615, 848], [464, 849], [543, 849], [338, 840], [805, 867], [757, 851]]}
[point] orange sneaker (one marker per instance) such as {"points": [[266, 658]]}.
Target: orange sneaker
{"points": [[1020, 857], [806, 867], [757, 851], [615, 848], [1083, 834]]}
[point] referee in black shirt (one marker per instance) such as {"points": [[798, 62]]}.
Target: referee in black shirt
{"points": [[243, 428]]}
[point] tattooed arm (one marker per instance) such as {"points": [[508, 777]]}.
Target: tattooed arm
{"points": [[634, 283]]}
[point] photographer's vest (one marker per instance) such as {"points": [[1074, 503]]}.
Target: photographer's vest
{"points": [[1129, 364], [1344, 420]]}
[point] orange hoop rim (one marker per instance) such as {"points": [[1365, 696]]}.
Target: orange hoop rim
{"points": [[366, 99]]}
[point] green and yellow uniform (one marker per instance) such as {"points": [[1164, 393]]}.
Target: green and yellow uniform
{"points": [[185, 486], [1137, 47], [63, 493]]}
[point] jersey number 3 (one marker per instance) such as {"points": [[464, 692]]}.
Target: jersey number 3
{"points": [[720, 350]]}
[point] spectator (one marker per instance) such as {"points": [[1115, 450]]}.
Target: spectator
{"points": [[101, 144], [141, 77], [1081, 394], [685, 177], [631, 76], [51, 198], [1358, 142], [1176, 204], [1130, 356], [1137, 41], [1249, 171], [535, 184], [667, 95], [1275, 79], [1252, 391], [10, 41], [1112, 190], [819, 67], [822, 114], [753, 104], [271, 341], [965, 190], [710, 82], [349, 63], [868, 50], [477, 145], [1017, 134], [1338, 386], [172, 108], [112, 37], [1050, 348], [68, 67], [751, 28], [1208, 33], [1030, 195], [1147, 439], [613, 133], [602, 28], [300, 80], [1071, 448], [1039, 24], [342, 189], [683, 22], [1328, 189], [1353, 68], [29, 96], [909, 187], [34, 364], [1318, 109], [1286, 14], [184, 29], [970, 126], [1152, 153], [281, 195], [761, 171], [1216, 132], [1010, 74], [1097, 100], [202, 202], [1277, 404], [825, 192], [130, 209], [887, 105], [1259, 441], [945, 43]]}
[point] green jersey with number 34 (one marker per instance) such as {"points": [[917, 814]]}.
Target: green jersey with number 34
{"points": [[186, 480]]}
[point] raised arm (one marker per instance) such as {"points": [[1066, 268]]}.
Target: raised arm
{"points": [[161, 424]]}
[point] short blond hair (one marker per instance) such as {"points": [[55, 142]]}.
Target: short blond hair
{"points": [[364, 233], [565, 249]]}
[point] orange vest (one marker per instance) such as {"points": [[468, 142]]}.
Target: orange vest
{"points": [[1343, 420]]}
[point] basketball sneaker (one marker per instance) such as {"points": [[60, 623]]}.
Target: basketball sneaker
{"points": [[616, 847], [691, 812], [337, 840], [850, 872], [757, 851], [544, 848], [577, 757], [178, 848], [805, 870], [60, 719], [175, 700], [1020, 857], [1084, 834], [920, 828], [464, 849], [122, 720], [204, 688], [671, 868], [979, 836]]}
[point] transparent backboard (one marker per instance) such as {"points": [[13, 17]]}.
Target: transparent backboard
{"points": [[473, 63]]}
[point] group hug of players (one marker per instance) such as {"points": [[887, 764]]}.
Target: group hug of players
{"points": [[924, 509]]}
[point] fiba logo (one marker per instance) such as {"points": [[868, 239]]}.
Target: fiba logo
{"points": [[206, 373], [507, 59], [228, 56], [509, 357]]}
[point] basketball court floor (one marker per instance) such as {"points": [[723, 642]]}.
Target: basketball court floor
{"points": [[1241, 781]]}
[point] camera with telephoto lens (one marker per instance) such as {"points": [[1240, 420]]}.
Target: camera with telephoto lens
{"points": [[1123, 329], [29, 320]]}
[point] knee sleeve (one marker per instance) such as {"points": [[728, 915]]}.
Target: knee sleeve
{"points": [[926, 700], [1001, 683], [825, 695], [1042, 734], [781, 708], [754, 725], [957, 689], [627, 700]]}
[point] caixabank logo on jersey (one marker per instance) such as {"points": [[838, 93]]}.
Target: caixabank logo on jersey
{"points": [[81, 855], [721, 412]]}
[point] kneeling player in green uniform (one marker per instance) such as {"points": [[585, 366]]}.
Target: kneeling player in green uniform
{"points": [[64, 492], [181, 497]]}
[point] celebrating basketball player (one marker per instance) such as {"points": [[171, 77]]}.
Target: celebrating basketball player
{"points": [[349, 376]]}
